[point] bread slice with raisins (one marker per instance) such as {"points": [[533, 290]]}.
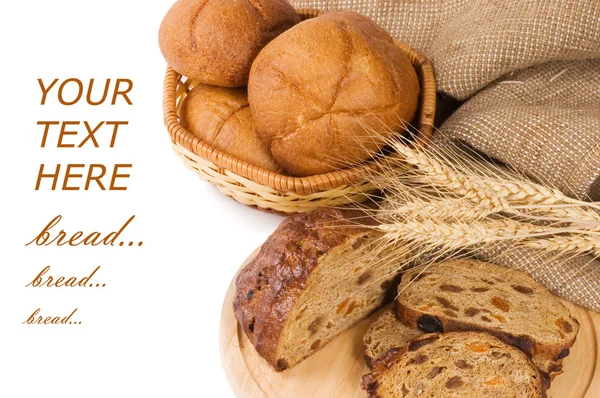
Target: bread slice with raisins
{"points": [[460, 364], [468, 295], [384, 332], [315, 276]]}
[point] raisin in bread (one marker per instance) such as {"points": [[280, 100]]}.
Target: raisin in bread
{"points": [[313, 278], [384, 332], [460, 364], [468, 295]]}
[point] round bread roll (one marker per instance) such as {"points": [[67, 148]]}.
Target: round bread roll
{"points": [[327, 93], [215, 41], [221, 117]]}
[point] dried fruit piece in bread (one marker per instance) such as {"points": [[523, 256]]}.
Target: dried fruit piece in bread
{"points": [[468, 295], [313, 278], [460, 364]]}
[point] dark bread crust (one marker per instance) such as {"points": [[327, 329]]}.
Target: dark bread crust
{"points": [[269, 286], [370, 382], [525, 343]]}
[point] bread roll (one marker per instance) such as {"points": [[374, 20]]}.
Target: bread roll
{"points": [[215, 41], [221, 117], [329, 91]]}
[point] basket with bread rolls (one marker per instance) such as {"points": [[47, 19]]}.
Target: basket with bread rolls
{"points": [[442, 286], [284, 109]]}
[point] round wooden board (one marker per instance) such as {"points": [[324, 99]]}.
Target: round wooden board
{"points": [[336, 370]]}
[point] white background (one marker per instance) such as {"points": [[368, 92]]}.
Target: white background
{"points": [[153, 330]]}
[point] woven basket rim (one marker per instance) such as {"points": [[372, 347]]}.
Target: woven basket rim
{"points": [[280, 182]]}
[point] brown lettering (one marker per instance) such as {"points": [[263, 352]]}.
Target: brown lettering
{"points": [[68, 175], [91, 177], [124, 92], [34, 318], [42, 175], [46, 129], [64, 132], [89, 93], [114, 135], [44, 238], [79, 92], [45, 90], [49, 281], [117, 175], [91, 134]]}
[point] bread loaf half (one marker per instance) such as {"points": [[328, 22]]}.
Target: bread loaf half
{"points": [[215, 41], [467, 364], [310, 281], [221, 117], [384, 333], [327, 93], [461, 295]]}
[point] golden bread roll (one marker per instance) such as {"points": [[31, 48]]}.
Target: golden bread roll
{"points": [[215, 41], [221, 117], [328, 92]]}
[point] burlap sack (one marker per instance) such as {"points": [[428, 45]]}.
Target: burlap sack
{"points": [[544, 120], [473, 42], [530, 72]]}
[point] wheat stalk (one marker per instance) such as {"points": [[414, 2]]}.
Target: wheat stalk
{"points": [[564, 212], [568, 244], [436, 234], [492, 191], [450, 201], [446, 209]]}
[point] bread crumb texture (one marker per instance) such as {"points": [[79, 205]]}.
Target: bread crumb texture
{"points": [[459, 364]]}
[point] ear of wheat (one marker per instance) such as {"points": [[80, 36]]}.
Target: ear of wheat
{"points": [[450, 201]]}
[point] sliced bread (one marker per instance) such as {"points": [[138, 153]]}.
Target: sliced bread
{"points": [[313, 278], [385, 332], [468, 295], [463, 364]]}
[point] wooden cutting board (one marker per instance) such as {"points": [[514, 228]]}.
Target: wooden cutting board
{"points": [[336, 370]]}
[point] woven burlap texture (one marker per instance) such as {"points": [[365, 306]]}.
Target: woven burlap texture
{"points": [[473, 42], [544, 120], [529, 71]]}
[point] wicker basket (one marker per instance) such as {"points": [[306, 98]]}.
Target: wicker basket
{"points": [[265, 189]]}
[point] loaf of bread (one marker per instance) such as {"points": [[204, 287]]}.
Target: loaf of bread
{"points": [[221, 117], [215, 41], [385, 332], [460, 295], [466, 364], [311, 281], [327, 93]]}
